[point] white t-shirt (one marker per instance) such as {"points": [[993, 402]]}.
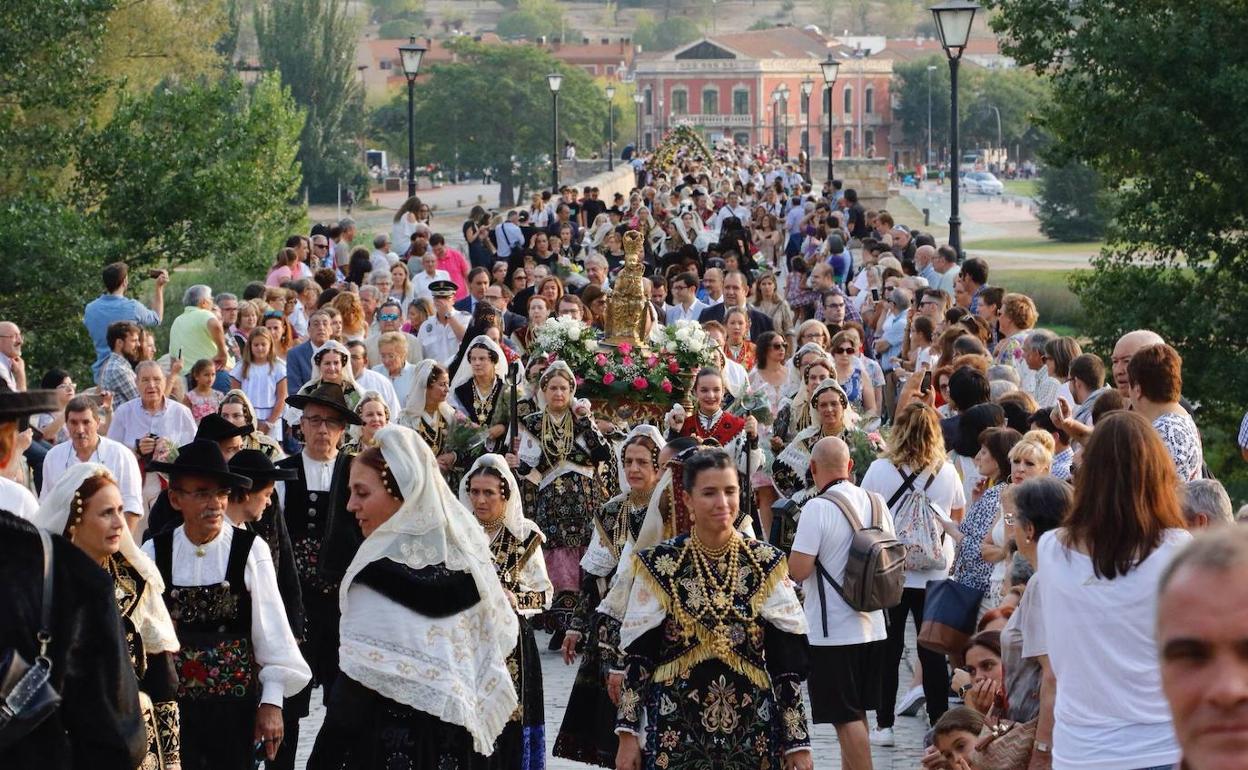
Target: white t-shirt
{"points": [[17, 499], [945, 493], [824, 532], [1110, 712]]}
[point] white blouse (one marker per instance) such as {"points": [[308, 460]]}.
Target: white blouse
{"points": [[283, 671]]}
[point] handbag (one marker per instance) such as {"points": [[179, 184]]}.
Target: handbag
{"points": [[950, 610], [26, 693], [1005, 746]]}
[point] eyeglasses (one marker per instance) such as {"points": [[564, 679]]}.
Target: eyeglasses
{"points": [[323, 422], [388, 316], [227, 309], [844, 351], [320, 245], [66, 386], [779, 346], [204, 496]]}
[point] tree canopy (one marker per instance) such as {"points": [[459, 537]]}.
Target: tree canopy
{"points": [[1153, 95], [491, 108], [199, 170]]}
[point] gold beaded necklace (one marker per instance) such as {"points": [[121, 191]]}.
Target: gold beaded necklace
{"points": [[557, 435]]}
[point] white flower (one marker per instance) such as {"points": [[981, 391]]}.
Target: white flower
{"points": [[696, 346], [591, 344]]}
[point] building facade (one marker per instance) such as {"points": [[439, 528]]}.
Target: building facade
{"points": [[747, 87]]}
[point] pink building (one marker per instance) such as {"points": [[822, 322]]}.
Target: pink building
{"points": [[734, 86]]}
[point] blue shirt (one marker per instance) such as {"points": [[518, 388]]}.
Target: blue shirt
{"points": [[894, 332], [107, 309]]}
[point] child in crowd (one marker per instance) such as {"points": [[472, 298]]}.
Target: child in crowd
{"points": [[953, 740], [262, 376], [201, 398]]}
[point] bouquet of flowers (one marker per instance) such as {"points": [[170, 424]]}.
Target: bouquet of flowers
{"points": [[625, 373], [865, 447], [465, 439], [753, 403], [685, 342], [568, 339]]}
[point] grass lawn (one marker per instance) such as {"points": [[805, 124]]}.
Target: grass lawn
{"points": [[1025, 187], [1058, 306], [907, 213], [1035, 246]]}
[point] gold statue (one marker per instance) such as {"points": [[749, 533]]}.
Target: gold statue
{"points": [[629, 314]]}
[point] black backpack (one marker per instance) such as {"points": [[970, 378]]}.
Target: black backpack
{"points": [[875, 570]]}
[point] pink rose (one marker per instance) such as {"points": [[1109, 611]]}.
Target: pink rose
{"points": [[627, 361], [625, 348], [601, 359], [673, 367], [652, 361], [580, 381], [608, 378], [639, 383], [667, 386]]}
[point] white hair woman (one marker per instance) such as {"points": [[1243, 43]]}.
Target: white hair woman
{"points": [[426, 626]]}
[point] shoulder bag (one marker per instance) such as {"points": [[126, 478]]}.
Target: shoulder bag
{"points": [[26, 693]]}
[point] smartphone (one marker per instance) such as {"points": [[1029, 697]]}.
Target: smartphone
{"points": [[153, 273], [875, 295], [926, 385]]}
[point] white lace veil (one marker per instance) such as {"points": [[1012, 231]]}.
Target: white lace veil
{"points": [[650, 432], [555, 366], [414, 409], [453, 668], [151, 617], [464, 372], [513, 517]]}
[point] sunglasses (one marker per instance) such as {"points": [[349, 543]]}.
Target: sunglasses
{"points": [[389, 316], [844, 351], [779, 346]]}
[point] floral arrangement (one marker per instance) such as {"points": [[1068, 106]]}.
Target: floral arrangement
{"points": [[623, 373], [865, 447], [463, 438], [753, 403], [575, 342], [686, 342]]}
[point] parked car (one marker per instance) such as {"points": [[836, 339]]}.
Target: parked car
{"points": [[982, 182]]}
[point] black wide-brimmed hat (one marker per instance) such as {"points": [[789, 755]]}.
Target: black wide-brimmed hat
{"points": [[257, 466], [202, 458], [326, 394], [14, 406], [214, 427]]}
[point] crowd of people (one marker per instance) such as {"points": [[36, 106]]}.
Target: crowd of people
{"points": [[362, 474]]}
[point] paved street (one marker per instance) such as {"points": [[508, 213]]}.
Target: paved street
{"points": [[558, 682]]}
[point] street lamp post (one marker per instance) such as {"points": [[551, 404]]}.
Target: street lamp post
{"points": [[782, 107], [610, 128], [637, 100], [830, 67], [953, 22], [554, 80], [410, 56], [808, 87], [660, 118], [775, 121], [930, 69]]}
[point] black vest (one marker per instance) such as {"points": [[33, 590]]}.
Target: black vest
{"points": [[307, 515]]}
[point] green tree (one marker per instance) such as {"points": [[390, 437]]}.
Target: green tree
{"points": [[1153, 95], [68, 250], [507, 82], [385, 10], [536, 18], [912, 89], [653, 35], [197, 170], [312, 44], [49, 85], [1074, 205]]}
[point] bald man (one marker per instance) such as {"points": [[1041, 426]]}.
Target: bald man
{"points": [[12, 366], [1202, 639], [1126, 347], [846, 646]]}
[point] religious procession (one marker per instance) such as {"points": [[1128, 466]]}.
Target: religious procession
{"points": [[751, 457]]}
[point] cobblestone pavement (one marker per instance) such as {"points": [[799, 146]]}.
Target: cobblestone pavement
{"points": [[557, 679]]}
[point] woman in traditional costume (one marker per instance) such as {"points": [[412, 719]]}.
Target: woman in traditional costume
{"points": [[238, 410], [479, 387], [562, 445], [426, 628], [85, 507], [427, 411], [795, 414], [738, 436], [490, 492], [791, 468], [588, 730], [715, 644]]}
